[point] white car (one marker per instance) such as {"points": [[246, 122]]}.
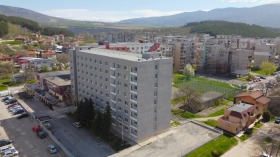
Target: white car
{"points": [[265, 155], [6, 148], [11, 152], [77, 124], [52, 148]]}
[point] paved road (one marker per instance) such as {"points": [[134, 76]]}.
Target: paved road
{"points": [[20, 131], [78, 141]]}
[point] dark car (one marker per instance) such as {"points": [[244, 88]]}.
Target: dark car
{"points": [[5, 142], [10, 101], [277, 121], [18, 112], [261, 77], [41, 134], [23, 115], [5, 98]]}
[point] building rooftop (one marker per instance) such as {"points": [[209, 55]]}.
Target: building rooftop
{"points": [[211, 95], [119, 55], [61, 80], [241, 107], [253, 94], [55, 73]]}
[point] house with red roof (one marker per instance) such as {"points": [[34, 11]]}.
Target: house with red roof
{"points": [[4, 57]]}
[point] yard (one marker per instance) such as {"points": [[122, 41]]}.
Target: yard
{"points": [[215, 147], [204, 85], [184, 114], [211, 122], [5, 83]]}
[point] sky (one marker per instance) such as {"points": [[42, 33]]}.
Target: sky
{"points": [[116, 10]]}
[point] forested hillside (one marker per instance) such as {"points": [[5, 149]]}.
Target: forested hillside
{"points": [[231, 28], [30, 25]]}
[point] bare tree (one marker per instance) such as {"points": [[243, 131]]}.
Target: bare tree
{"points": [[28, 74], [190, 99], [63, 58], [269, 146]]}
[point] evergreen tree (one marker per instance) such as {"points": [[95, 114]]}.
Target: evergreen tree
{"points": [[107, 120]]}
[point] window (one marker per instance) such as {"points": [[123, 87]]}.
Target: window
{"points": [[119, 66], [125, 68], [155, 101], [125, 111], [155, 93], [156, 66], [156, 85]]}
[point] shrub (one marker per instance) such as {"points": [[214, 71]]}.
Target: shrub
{"points": [[216, 153], [249, 132], [266, 116]]}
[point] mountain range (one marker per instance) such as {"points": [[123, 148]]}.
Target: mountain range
{"points": [[264, 15]]}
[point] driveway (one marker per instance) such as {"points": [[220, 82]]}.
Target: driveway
{"points": [[250, 148], [20, 131], [79, 142]]}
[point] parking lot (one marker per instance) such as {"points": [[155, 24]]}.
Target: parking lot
{"points": [[25, 140], [79, 142]]}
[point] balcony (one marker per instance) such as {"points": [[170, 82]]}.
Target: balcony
{"points": [[133, 82], [113, 85], [133, 73], [113, 101], [133, 109], [113, 77], [112, 68], [133, 92], [133, 126], [134, 101], [113, 93]]}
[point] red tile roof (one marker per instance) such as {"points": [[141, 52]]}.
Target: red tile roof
{"points": [[254, 94], [48, 53], [263, 100]]}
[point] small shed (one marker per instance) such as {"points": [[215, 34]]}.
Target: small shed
{"points": [[208, 99]]}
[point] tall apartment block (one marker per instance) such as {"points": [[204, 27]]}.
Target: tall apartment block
{"points": [[136, 86]]}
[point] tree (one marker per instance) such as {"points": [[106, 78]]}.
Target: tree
{"points": [[268, 67], [6, 68], [28, 74], [63, 58], [269, 145], [188, 71], [44, 68], [266, 116], [21, 53], [190, 99], [107, 120]]}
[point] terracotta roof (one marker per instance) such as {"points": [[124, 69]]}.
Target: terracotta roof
{"points": [[253, 94], [3, 56], [48, 53], [31, 52], [263, 100], [41, 40]]}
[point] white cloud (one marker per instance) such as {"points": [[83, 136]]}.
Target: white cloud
{"points": [[255, 1], [106, 16]]}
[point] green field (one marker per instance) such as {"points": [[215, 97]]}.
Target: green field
{"points": [[215, 147], [211, 122], [204, 85], [217, 113], [184, 114]]}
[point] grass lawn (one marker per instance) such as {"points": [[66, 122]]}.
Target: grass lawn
{"points": [[176, 101], [258, 71], [217, 113], [211, 122], [246, 136], [215, 147], [175, 123], [184, 114], [5, 83], [204, 85]]}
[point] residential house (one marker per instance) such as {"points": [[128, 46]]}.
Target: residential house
{"points": [[255, 98], [238, 117]]}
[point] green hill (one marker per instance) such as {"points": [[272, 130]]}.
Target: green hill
{"points": [[231, 28], [32, 26]]}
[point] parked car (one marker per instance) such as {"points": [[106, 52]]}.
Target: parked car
{"points": [[251, 88], [261, 77], [11, 152], [12, 105], [277, 121], [5, 142], [41, 134], [10, 101], [6, 148], [265, 155], [23, 115], [77, 124], [4, 93], [52, 148], [19, 111], [6, 98]]}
